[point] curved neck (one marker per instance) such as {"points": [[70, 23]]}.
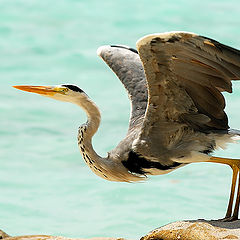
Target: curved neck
{"points": [[85, 134], [93, 115], [103, 167], [88, 129]]}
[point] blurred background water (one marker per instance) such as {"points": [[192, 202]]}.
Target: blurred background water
{"points": [[45, 187]]}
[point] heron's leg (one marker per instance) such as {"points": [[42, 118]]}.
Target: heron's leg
{"points": [[228, 161], [236, 208], [230, 203], [235, 165]]}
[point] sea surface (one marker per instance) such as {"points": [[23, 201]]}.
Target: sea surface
{"points": [[45, 186]]}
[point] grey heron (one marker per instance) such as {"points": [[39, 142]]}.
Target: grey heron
{"points": [[175, 82]]}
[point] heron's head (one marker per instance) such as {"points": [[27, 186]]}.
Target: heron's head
{"points": [[65, 92]]}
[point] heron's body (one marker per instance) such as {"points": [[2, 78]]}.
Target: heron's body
{"points": [[174, 82]]}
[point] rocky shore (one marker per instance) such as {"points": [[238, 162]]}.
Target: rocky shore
{"points": [[184, 230], [196, 230]]}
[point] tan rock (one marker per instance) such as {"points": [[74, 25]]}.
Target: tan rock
{"points": [[185, 230], [196, 230], [46, 237], [5, 236]]}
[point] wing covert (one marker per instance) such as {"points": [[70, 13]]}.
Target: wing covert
{"points": [[186, 74]]}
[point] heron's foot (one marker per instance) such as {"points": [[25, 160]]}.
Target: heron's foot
{"points": [[228, 219], [235, 165]]}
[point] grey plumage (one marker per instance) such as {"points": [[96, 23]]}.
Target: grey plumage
{"points": [[186, 74], [184, 77], [126, 64]]}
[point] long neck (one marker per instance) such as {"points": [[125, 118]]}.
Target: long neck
{"points": [[86, 132], [93, 119], [106, 168]]}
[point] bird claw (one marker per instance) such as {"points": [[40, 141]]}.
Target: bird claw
{"points": [[228, 219]]}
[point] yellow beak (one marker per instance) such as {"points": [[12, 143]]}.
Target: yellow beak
{"points": [[43, 90]]}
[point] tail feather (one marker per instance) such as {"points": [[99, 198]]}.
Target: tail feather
{"points": [[235, 134]]}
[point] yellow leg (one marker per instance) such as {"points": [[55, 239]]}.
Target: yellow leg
{"points": [[235, 165], [230, 203], [236, 208], [229, 161]]}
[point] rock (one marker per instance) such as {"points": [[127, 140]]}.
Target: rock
{"points": [[46, 237], [196, 230], [184, 230], [3, 234]]}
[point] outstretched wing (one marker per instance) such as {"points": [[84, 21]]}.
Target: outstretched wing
{"points": [[126, 64], [186, 74]]}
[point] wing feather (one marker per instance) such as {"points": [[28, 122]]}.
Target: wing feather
{"points": [[186, 74], [126, 64]]}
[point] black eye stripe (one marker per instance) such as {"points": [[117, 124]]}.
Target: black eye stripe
{"points": [[73, 88]]}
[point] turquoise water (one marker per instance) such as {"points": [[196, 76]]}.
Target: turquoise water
{"points": [[45, 186]]}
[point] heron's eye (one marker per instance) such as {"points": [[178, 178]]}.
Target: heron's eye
{"points": [[64, 90]]}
